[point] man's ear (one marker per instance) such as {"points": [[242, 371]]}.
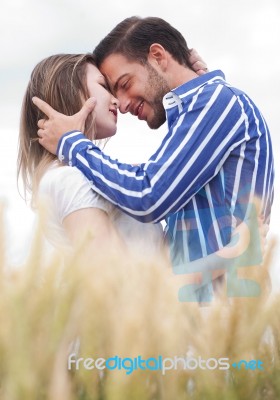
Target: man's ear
{"points": [[158, 56]]}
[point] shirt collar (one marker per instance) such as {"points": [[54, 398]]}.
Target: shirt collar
{"points": [[176, 96]]}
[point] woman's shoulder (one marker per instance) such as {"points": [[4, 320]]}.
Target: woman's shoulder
{"points": [[61, 175], [69, 190]]}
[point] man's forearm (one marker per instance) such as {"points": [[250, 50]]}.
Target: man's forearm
{"points": [[185, 162]]}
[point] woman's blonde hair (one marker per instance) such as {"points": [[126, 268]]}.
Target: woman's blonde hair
{"points": [[60, 80]]}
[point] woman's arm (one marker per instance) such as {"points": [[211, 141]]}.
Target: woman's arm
{"points": [[92, 229]]}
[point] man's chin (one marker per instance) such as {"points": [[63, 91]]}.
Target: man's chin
{"points": [[152, 126], [155, 124]]}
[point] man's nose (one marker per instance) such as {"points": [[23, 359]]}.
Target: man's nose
{"points": [[124, 104]]}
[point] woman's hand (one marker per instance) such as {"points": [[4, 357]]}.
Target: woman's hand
{"points": [[198, 64]]}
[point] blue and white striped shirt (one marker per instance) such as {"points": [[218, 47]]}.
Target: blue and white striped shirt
{"points": [[215, 158]]}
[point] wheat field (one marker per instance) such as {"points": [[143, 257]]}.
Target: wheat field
{"points": [[114, 306]]}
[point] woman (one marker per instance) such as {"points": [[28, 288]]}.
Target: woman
{"points": [[65, 81]]}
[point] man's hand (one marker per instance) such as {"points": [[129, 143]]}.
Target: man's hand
{"points": [[51, 129], [198, 64]]}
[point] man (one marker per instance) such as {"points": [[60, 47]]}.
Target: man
{"points": [[215, 158]]}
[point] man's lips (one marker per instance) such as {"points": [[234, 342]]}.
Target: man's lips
{"points": [[139, 109]]}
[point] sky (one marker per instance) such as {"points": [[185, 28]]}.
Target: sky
{"points": [[240, 37]]}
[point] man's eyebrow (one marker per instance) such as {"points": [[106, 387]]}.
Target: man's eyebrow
{"points": [[116, 85]]}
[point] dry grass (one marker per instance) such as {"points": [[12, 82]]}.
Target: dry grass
{"points": [[127, 308]]}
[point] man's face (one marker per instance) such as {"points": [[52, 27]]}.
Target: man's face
{"points": [[139, 89]]}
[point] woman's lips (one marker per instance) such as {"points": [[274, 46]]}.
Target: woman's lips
{"points": [[115, 113]]}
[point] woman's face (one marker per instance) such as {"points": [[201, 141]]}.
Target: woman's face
{"points": [[106, 110]]}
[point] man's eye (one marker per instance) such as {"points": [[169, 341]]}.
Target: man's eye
{"points": [[124, 85]]}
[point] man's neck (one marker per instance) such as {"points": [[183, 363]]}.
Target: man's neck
{"points": [[180, 74]]}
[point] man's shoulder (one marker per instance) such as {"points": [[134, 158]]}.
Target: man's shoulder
{"points": [[204, 86]]}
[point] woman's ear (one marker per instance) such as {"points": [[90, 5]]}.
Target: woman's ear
{"points": [[158, 56]]}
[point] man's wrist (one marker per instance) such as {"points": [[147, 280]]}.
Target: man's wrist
{"points": [[67, 144]]}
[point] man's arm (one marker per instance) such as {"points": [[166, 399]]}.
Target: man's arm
{"points": [[190, 155]]}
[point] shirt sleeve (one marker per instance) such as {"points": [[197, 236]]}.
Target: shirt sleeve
{"points": [[67, 190], [192, 152]]}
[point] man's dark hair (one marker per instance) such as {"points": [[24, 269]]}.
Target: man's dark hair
{"points": [[133, 37]]}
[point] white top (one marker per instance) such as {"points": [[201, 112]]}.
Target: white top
{"points": [[65, 190]]}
